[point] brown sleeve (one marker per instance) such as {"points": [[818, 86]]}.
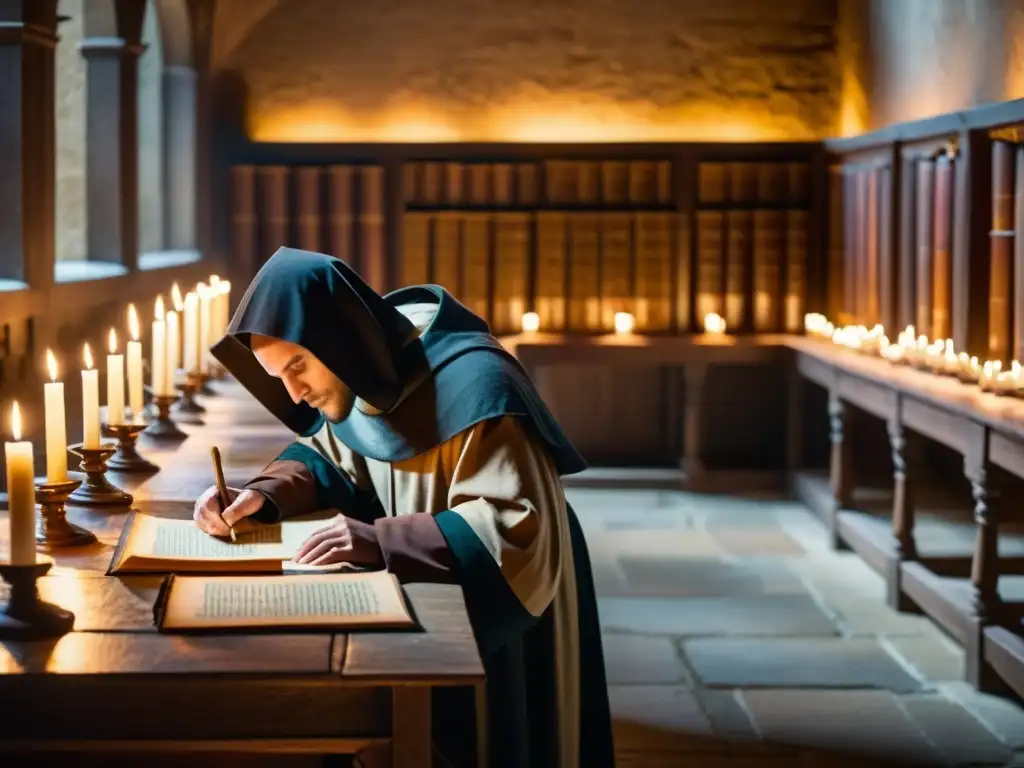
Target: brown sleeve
{"points": [[415, 550], [289, 490]]}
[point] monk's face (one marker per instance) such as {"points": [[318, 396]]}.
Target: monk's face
{"points": [[304, 376]]}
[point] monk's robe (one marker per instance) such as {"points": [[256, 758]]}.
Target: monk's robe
{"points": [[452, 463]]}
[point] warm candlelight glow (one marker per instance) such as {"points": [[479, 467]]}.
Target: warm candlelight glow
{"points": [[531, 322], [176, 300], [16, 421], [623, 322], [56, 427], [133, 324], [87, 356], [112, 342], [158, 309], [714, 323], [51, 364]]}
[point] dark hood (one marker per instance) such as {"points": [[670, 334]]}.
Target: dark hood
{"points": [[320, 303]]}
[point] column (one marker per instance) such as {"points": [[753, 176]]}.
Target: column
{"points": [[112, 149], [180, 113], [27, 154]]}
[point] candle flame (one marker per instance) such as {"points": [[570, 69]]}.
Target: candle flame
{"points": [[87, 356], [158, 311], [214, 279], [133, 322], [225, 286], [51, 364], [16, 421], [112, 342], [176, 298]]}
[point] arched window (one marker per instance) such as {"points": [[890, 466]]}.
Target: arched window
{"points": [[70, 116], [152, 227]]}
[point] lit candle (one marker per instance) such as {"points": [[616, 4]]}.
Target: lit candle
{"points": [[90, 401], [213, 289], [134, 355], [21, 494], [530, 322], [115, 383], [714, 323], [191, 351], [173, 320], [623, 322], [159, 357], [56, 428], [225, 310], [204, 327]]}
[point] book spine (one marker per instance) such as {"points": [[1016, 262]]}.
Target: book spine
{"points": [[307, 209], [925, 233], [738, 257], [584, 281], [373, 256], [340, 230], [273, 192], [908, 245], [445, 248], [796, 270], [768, 243], [942, 261], [415, 269], [475, 258], [511, 271], [870, 246], [1018, 258], [710, 257], [652, 238], [244, 239], [1000, 325], [886, 258], [550, 283], [616, 267]]}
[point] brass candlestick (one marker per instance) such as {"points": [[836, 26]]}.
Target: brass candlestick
{"points": [[162, 426], [127, 458], [203, 380], [25, 616], [53, 530], [187, 410], [97, 489]]}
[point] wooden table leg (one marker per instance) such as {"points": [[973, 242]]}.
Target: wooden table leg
{"points": [[694, 376], [902, 446], [795, 420], [840, 467], [985, 599], [411, 743]]}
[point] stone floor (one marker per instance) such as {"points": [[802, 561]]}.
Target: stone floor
{"points": [[735, 637]]}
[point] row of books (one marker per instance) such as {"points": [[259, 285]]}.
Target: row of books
{"points": [[766, 183], [549, 182], [576, 270]]}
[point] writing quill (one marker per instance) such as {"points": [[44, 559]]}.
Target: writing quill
{"points": [[222, 488]]}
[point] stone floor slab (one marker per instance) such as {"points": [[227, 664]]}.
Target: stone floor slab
{"points": [[762, 540], [659, 717], [867, 724], [705, 577], [1003, 717], [656, 543], [931, 656], [797, 663], [771, 615], [640, 659], [958, 736], [868, 616]]}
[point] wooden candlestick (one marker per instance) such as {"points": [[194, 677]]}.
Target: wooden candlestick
{"points": [[53, 531], [204, 383], [162, 426], [25, 616], [97, 490], [187, 410], [127, 458]]}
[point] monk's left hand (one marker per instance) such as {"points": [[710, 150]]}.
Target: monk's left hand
{"points": [[344, 540]]}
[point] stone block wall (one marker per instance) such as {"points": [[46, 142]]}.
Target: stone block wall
{"points": [[455, 70]]}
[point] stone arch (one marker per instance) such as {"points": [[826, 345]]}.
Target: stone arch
{"points": [[175, 32]]}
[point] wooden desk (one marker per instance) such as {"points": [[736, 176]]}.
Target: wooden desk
{"points": [[694, 354], [961, 594], [116, 684]]}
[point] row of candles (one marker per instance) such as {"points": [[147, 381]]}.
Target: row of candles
{"points": [[203, 316], [623, 323], [937, 356]]}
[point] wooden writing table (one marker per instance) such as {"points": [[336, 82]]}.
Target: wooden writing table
{"points": [[115, 683]]}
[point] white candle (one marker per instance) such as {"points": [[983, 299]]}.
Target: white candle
{"points": [[134, 355], [56, 428], [159, 352], [173, 350], [21, 495], [90, 402], [115, 383], [191, 353], [204, 326], [224, 310]]}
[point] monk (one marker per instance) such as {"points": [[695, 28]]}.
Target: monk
{"points": [[442, 463]]}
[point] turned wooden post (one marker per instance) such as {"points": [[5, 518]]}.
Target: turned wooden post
{"points": [[903, 447], [694, 376], [985, 600], [841, 466]]}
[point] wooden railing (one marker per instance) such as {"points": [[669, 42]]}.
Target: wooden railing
{"points": [[924, 229]]}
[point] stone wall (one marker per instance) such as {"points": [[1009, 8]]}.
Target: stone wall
{"points": [[70, 118], [909, 59], [151, 112], [534, 69]]}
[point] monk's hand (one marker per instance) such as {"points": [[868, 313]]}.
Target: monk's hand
{"points": [[343, 540], [207, 512]]}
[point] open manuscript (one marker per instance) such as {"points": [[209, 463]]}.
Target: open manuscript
{"points": [[152, 544], [369, 600]]}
